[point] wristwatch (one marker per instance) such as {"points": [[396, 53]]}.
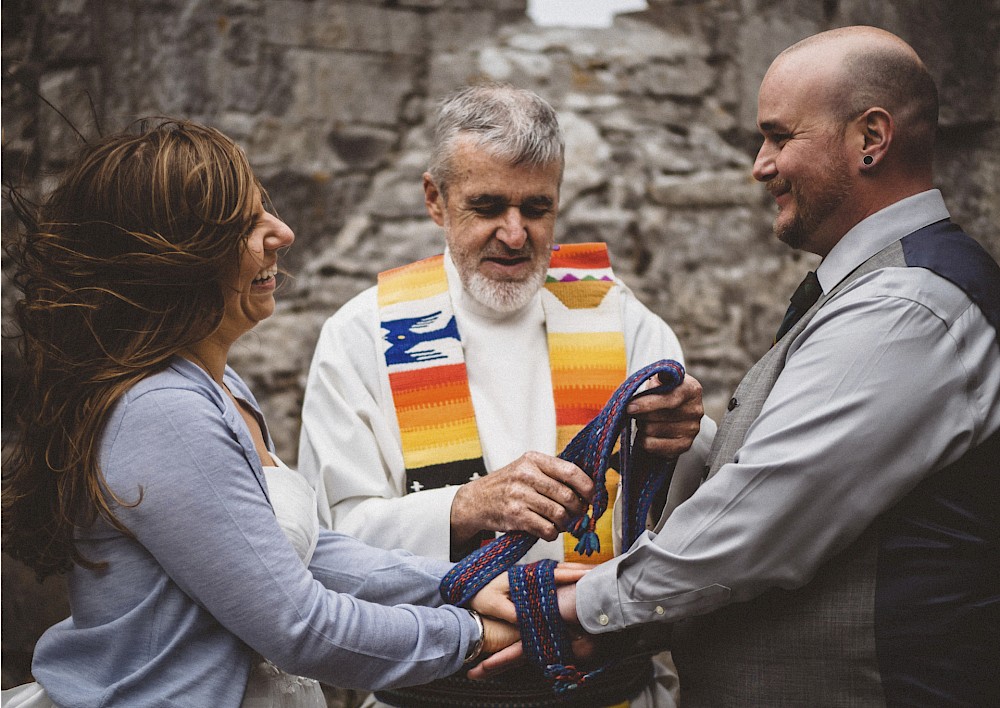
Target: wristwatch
{"points": [[476, 647]]}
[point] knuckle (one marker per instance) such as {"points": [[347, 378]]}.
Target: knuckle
{"points": [[559, 516], [514, 515], [520, 476], [564, 495], [661, 446]]}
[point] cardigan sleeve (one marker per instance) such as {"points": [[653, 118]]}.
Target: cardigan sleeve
{"points": [[205, 520]]}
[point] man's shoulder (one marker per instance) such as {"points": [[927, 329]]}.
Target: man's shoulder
{"points": [[350, 336], [361, 307]]}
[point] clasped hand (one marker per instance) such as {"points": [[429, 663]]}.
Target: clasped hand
{"points": [[501, 645], [540, 494]]}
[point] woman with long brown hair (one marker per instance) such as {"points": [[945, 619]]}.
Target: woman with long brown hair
{"points": [[143, 466]]}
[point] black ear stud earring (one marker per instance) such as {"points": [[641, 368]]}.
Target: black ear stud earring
{"points": [[868, 159]]}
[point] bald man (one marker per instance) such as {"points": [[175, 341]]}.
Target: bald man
{"points": [[843, 550]]}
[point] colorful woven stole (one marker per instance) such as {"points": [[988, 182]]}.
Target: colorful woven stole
{"points": [[429, 381], [586, 355], [427, 376]]}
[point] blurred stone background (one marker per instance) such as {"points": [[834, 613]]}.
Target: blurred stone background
{"points": [[332, 99]]}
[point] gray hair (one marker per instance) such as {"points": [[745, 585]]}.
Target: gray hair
{"points": [[511, 123]]}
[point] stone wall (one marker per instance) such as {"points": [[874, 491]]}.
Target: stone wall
{"points": [[332, 99]]}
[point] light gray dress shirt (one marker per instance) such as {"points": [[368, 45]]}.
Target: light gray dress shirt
{"points": [[895, 377]]}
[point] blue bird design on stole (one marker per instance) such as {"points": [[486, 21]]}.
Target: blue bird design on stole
{"points": [[405, 334]]}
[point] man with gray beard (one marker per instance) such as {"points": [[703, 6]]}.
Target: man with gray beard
{"points": [[437, 400]]}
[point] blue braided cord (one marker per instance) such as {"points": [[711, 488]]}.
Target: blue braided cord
{"points": [[650, 486], [476, 570], [546, 642], [590, 451], [533, 587], [591, 448], [566, 677], [533, 592]]}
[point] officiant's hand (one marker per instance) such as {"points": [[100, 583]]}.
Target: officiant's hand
{"points": [[536, 493], [668, 422]]}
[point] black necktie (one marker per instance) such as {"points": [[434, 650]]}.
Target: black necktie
{"points": [[803, 298]]}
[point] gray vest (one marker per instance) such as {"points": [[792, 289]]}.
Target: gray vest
{"points": [[808, 647]]}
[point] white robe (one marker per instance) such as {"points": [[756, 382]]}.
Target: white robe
{"points": [[350, 445]]}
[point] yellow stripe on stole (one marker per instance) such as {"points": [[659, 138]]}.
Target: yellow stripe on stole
{"points": [[587, 350], [415, 281], [587, 367], [437, 445]]}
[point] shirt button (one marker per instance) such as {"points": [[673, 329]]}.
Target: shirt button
{"points": [[602, 619], [658, 610], [732, 403]]}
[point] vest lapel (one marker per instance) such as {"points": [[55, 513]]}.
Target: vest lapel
{"points": [[753, 390]]}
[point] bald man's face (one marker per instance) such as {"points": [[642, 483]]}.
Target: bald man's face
{"points": [[803, 160]]}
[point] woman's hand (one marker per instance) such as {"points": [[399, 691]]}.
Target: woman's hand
{"points": [[498, 635], [494, 600], [496, 595], [497, 663]]}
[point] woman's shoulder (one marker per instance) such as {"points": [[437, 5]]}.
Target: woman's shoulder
{"points": [[181, 379], [177, 405], [181, 393]]}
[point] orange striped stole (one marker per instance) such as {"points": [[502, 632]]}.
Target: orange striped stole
{"points": [[427, 377], [586, 355], [429, 382]]}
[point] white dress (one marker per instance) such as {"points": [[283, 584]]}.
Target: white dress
{"points": [[294, 502]]}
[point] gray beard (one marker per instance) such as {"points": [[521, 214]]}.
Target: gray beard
{"points": [[503, 296]]}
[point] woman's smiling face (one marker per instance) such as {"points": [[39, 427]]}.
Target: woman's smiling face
{"points": [[250, 294]]}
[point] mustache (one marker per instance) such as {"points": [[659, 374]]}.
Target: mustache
{"points": [[502, 250], [779, 185]]}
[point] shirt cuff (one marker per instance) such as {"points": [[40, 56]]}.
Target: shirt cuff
{"points": [[597, 604], [603, 606]]}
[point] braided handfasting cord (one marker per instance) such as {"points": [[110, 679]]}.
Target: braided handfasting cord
{"points": [[532, 587]]}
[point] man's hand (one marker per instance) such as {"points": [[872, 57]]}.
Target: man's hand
{"points": [[668, 423], [536, 493]]}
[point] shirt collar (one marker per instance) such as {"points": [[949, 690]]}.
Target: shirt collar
{"points": [[874, 233]]}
